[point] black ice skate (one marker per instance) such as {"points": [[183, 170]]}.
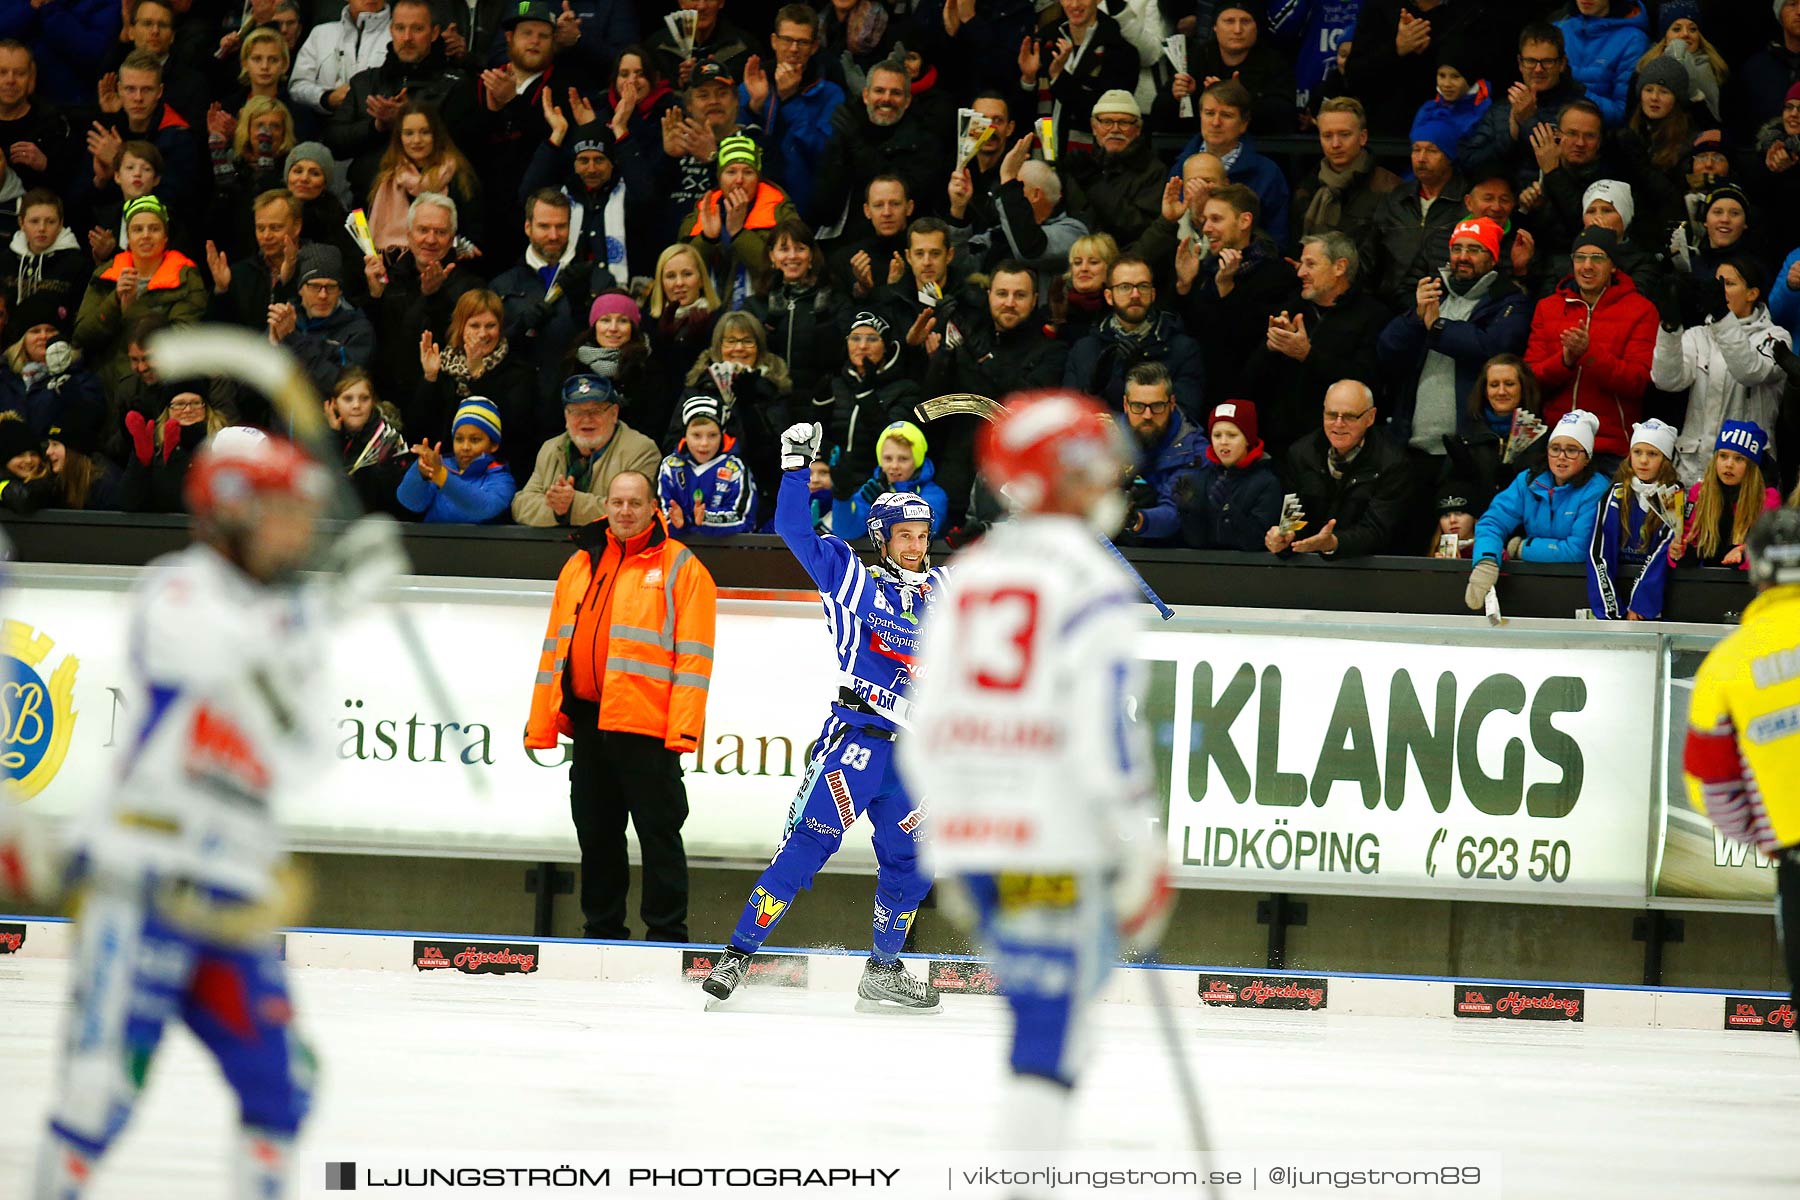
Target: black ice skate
{"points": [[887, 987], [725, 975]]}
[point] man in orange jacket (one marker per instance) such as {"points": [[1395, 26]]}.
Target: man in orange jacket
{"points": [[626, 664]]}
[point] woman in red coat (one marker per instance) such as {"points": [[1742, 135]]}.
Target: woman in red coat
{"points": [[1592, 340]]}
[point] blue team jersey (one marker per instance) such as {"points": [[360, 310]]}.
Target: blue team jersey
{"points": [[723, 484], [874, 618]]}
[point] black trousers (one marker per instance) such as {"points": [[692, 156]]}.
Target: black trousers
{"points": [[1787, 917], [613, 776]]}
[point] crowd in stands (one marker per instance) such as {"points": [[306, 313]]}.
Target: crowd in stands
{"points": [[521, 247]]}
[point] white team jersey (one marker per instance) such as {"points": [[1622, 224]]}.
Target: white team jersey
{"points": [[1024, 745], [221, 671]]}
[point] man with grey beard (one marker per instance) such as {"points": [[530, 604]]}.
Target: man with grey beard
{"points": [[881, 136], [574, 469]]}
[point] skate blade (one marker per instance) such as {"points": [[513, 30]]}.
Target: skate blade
{"points": [[866, 1005], [715, 1003]]}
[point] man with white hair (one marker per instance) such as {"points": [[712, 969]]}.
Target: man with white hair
{"points": [[568, 485], [1033, 226], [415, 288]]}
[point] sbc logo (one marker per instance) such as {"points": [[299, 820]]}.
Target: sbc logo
{"points": [[37, 719], [768, 908]]}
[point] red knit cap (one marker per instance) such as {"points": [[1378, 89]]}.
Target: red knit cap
{"points": [[1479, 229], [1241, 413]]}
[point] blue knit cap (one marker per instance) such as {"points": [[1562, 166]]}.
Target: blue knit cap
{"points": [[1435, 125], [480, 412], [1745, 437], [1671, 11]]}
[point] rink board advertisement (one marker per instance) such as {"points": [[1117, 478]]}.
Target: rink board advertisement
{"points": [[1382, 766], [1695, 859], [402, 777], [1289, 762]]}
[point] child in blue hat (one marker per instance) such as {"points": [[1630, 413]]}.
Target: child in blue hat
{"points": [[1727, 502], [474, 487]]}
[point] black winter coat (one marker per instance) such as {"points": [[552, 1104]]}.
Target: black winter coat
{"points": [[1120, 194], [1290, 395], [861, 407], [1369, 503], [860, 150], [1230, 508], [805, 325], [1099, 362]]}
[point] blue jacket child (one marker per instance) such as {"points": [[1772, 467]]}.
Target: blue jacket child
{"points": [[1551, 521], [894, 473], [714, 495], [473, 490]]}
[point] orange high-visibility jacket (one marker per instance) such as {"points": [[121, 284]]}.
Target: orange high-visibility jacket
{"points": [[658, 648]]}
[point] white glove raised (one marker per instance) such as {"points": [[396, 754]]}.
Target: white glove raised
{"points": [[1679, 250], [800, 445], [1481, 581], [367, 558]]}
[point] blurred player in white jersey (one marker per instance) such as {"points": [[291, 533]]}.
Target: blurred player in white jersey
{"points": [[180, 867], [1024, 744]]}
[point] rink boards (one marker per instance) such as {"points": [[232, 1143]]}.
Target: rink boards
{"points": [[518, 963]]}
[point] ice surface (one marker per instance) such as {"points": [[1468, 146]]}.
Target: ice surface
{"points": [[461, 1064]]}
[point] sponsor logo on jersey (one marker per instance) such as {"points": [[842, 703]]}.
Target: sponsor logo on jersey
{"points": [[1016, 831], [653, 577], [768, 908], [218, 748], [1746, 1012], [840, 796], [904, 921], [820, 827], [476, 958], [913, 819], [777, 970], [882, 915], [1772, 726], [37, 716], [1306, 993], [12, 937], [969, 978], [1520, 1004]]}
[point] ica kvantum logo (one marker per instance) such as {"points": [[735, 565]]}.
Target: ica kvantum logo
{"points": [[37, 718]]}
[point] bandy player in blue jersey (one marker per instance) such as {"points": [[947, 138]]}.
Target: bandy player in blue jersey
{"points": [[874, 614]]}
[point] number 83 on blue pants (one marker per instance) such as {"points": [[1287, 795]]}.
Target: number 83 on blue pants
{"points": [[852, 774]]}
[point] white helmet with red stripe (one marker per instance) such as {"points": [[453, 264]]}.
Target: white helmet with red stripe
{"points": [[1057, 451], [239, 466]]}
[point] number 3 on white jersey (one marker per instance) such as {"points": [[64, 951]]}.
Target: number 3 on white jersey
{"points": [[999, 627]]}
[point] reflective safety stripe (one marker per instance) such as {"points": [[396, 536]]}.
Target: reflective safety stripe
{"points": [[630, 666], [634, 633], [703, 649], [669, 592], [557, 666], [688, 679], [545, 678], [566, 631], [549, 645]]}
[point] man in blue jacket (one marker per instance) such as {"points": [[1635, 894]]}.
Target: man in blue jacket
{"points": [[1433, 355], [1168, 446], [793, 101], [1224, 120]]}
